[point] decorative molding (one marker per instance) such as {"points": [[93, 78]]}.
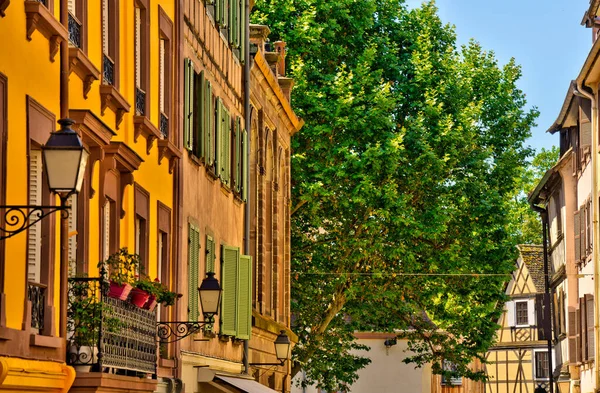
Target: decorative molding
{"points": [[144, 126], [122, 158], [41, 19], [84, 68], [166, 149], [111, 98], [3, 5]]}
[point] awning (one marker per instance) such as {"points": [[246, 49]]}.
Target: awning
{"points": [[246, 385]]}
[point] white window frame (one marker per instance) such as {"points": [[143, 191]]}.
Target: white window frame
{"points": [[534, 362]]}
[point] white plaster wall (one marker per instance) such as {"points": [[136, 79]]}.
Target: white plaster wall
{"points": [[584, 186]]}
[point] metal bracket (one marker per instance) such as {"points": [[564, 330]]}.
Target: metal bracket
{"points": [[169, 332], [15, 219]]}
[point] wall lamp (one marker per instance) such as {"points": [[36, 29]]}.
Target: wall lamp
{"points": [[65, 159], [209, 293], [283, 347], [390, 342]]}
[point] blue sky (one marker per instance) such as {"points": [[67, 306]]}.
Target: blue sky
{"points": [[544, 36]]}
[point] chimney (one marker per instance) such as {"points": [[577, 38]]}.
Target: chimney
{"points": [[280, 48]]}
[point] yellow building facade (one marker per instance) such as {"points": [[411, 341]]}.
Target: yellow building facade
{"points": [[123, 91]]}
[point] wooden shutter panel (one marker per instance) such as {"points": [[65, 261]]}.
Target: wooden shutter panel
{"points": [[231, 23], [34, 234], [582, 329], [510, 313], [577, 231], [227, 148], [539, 315], [243, 32], [531, 312], [210, 254], [199, 121], [230, 259], [589, 227], [244, 319], [188, 100], [573, 337], [582, 236], [589, 311], [238, 155], [105, 14], [218, 135], [209, 116], [193, 254], [579, 335], [73, 232]]}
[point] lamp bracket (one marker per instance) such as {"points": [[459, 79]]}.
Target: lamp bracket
{"points": [[15, 219], [268, 364], [169, 332]]}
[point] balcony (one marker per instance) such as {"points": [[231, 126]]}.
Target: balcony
{"points": [[36, 294], [74, 31], [109, 334], [164, 125], [108, 70]]}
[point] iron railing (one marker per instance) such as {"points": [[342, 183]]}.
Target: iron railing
{"points": [[109, 71], [164, 125], [108, 333], [36, 294], [44, 2], [140, 101], [74, 31]]}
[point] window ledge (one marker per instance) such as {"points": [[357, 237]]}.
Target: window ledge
{"points": [[3, 5], [145, 127], [166, 149], [83, 67], [45, 341], [41, 19], [111, 98]]}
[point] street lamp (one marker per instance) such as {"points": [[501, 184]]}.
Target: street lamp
{"points": [[209, 293], [283, 347], [65, 159]]}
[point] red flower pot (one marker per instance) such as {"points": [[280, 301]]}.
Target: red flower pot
{"points": [[151, 303], [119, 291], [138, 297]]}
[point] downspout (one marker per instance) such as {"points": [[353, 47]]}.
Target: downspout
{"points": [[544, 215], [246, 81], [596, 237], [64, 222]]}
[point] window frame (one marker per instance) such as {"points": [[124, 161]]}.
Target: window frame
{"points": [[517, 320], [113, 49], [144, 56], [141, 203], [537, 352], [165, 33]]}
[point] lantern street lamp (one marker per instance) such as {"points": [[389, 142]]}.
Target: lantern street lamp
{"points": [[65, 159], [209, 293], [283, 347]]}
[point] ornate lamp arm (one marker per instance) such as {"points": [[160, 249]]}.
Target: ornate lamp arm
{"points": [[18, 218]]}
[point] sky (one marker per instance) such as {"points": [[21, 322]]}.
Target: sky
{"points": [[544, 36]]}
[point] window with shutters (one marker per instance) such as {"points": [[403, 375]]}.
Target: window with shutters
{"points": [[164, 251], [585, 131], [73, 235], [110, 42], [34, 234], [193, 273], [589, 315], [521, 313], [224, 143], [165, 55], [541, 365], [230, 17], [78, 24], [236, 306], [577, 234], [210, 254], [142, 216], [142, 60]]}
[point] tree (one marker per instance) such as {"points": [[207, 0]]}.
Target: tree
{"points": [[402, 181], [528, 225]]}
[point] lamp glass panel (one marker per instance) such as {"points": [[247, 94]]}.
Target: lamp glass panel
{"points": [[282, 351], [81, 174], [62, 168], [209, 300]]}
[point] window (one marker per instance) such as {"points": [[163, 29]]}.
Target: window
{"points": [[110, 42], [78, 24], [164, 72], [224, 143], [522, 315], [230, 16], [541, 365], [236, 306], [142, 63], [193, 258], [210, 254], [34, 234], [142, 217], [450, 367]]}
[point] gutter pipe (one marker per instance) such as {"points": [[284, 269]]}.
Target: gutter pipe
{"points": [[596, 236], [246, 81]]}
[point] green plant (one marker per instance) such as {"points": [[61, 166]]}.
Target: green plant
{"points": [[148, 286], [122, 266]]}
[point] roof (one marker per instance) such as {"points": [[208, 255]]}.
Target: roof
{"points": [[557, 125], [533, 257], [245, 384]]}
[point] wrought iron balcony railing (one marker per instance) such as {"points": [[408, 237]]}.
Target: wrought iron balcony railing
{"points": [[164, 125], [74, 31], [105, 332], [44, 2], [109, 70], [140, 101], [36, 294]]}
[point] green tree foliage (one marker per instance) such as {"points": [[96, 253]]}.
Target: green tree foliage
{"points": [[403, 177], [528, 225]]}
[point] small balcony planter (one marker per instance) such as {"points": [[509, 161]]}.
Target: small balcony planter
{"points": [[138, 297], [119, 291], [151, 303]]}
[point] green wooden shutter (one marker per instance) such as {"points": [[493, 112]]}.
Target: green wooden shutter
{"points": [[199, 118], [243, 32], [237, 155], [218, 136], [210, 254], [227, 149], [231, 23], [577, 230], [245, 165], [244, 317], [193, 254], [218, 10], [230, 260], [188, 74], [208, 126]]}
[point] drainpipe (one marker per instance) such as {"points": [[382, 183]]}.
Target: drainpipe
{"points": [[246, 50], [64, 222], [544, 216], [596, 237]]}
